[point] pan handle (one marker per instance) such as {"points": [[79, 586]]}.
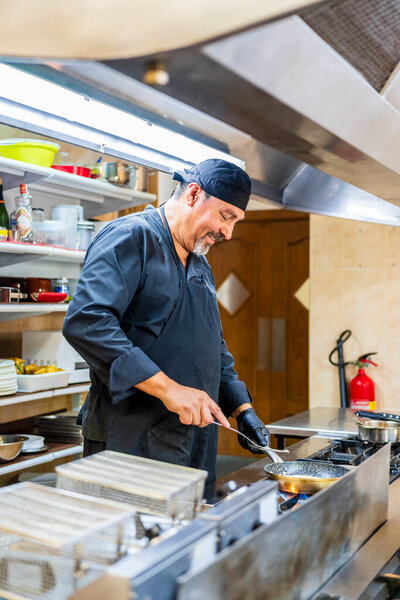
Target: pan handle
{"points": [[378, 416], [273, 454]]}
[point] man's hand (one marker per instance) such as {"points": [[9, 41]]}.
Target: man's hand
{"points": [[194, 407], [249, 424]]}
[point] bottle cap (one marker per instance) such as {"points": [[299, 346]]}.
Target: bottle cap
{"points": [[22, 188]]}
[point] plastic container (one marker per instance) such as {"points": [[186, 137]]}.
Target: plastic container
{"points": [[36, 152], [69, 214], [85, 234], [47, 381], [38, 230], [56, 233]]}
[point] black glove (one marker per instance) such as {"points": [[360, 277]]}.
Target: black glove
{"points": [[249, 424]]}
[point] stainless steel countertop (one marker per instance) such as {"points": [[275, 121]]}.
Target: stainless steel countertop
{"points": [[328, 421]]}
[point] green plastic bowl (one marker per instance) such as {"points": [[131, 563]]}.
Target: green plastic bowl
{"points": [[36, 152]]}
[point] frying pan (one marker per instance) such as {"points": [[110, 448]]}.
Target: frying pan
{"points": [[307, 477]]}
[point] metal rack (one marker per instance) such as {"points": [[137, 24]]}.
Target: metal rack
{"points": [[151, 486], [47, 537]]}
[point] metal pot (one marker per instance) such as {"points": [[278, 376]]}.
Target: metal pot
{"points": [[378, 427], [141, 183], [132, 176], [10, 295], [307, 477], [10, 446], [372, 430], [117, 173]]}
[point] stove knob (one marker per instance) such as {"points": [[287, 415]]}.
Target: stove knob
{"points": [[226, 489]]}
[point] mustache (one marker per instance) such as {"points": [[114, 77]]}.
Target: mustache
{"points": [[217, 237]]}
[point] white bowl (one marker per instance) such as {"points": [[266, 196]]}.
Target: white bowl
{"points": [[46, 381], [33, 442]]}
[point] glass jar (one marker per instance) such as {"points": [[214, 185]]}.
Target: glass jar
{"points": [[38, 229], [85, 233]]}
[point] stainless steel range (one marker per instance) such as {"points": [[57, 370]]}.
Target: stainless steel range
{"points": [[245, 547]]}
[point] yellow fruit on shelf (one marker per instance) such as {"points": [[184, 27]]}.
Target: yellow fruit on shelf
{"points": [[33, 369], [19, 365]]}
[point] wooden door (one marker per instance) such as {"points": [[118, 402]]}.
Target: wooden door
{"points": [[265, 325]]}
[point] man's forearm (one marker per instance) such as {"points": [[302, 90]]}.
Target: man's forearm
{"points": [[160, 384], [157, 385], [194, 407]]}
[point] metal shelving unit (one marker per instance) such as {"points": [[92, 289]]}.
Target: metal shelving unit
{"points": [[97, 197], [16, 252], [21, 310], [20, 397], [24, 461]]}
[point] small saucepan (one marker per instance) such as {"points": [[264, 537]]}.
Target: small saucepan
{"points": [[378, 427]]}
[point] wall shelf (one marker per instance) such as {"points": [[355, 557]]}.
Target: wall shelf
{"points": [[22, 310], [25, 461], [97, 197], [16, 252], [19, 397]]}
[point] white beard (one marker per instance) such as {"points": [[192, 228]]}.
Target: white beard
{"points": [[201, 247]]}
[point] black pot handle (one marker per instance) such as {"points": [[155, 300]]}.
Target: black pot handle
{"points": [[378, 416]]}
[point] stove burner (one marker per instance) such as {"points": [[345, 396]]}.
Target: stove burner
{"points": [[392, 583], [290, 501]]}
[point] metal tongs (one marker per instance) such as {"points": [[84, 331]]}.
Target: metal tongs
{"points": [[273, 454]]}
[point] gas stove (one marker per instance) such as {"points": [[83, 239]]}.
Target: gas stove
{"points": [[352, 452], [349, 452]]}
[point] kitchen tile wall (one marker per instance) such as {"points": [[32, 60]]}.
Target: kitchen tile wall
{"points": [[354, 284]]}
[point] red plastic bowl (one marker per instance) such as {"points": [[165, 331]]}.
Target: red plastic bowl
{"points": [[83, 171]]}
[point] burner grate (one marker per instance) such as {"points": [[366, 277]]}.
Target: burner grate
{"points": [[345, 452], [352, 452]]}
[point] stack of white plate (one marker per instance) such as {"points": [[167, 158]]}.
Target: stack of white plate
{"points": [[34, 443], [8, 378]]}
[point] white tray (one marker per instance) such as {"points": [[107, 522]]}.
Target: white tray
{"points": [[47, 381]]}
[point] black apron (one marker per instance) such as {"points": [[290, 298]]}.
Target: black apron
{"points": [[188, 350]]}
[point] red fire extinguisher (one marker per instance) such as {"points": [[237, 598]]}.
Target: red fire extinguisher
{"points": [[362, 392]]}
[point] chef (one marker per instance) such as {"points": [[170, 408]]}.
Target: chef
{"points": [[145, 318]]}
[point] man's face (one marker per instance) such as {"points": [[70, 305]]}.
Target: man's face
{"points": [[210, 221]]}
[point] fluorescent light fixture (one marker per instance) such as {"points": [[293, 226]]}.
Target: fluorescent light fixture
{"points": [[41, 95]]}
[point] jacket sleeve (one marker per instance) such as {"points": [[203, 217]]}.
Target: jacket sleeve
{"points": [[109, 280], [232, 392]]}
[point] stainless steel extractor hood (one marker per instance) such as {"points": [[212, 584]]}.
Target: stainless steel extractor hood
{"points": [[310, 102]]}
